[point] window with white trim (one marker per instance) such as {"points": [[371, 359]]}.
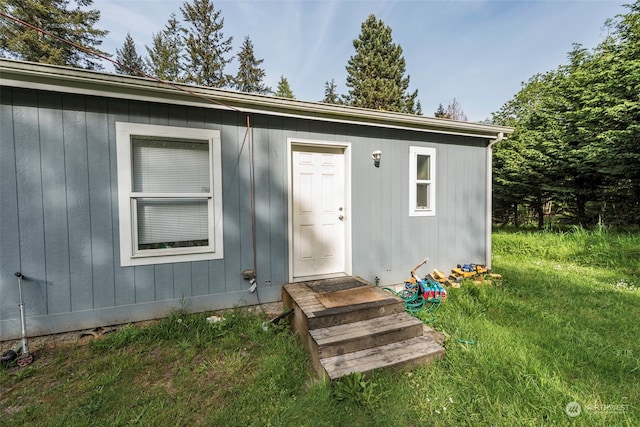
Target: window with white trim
{"points": [[422, 181], [169, 194]]}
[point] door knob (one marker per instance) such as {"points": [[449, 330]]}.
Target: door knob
{"points": [[341, 217]]}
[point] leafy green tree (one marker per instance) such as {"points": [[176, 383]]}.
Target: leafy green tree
{"points": [[330, 94], [284, 90], [376, 73], [250, 75], [129, 62], [164, 56], [205, 45], [54, 16]]}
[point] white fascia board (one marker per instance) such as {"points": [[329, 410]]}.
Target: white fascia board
{"points": [[85, 82]]}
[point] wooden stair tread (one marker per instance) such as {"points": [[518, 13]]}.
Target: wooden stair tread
{"points": [[316, 315], [305, 297], [369, 332], [349, 331], [404, 353]]}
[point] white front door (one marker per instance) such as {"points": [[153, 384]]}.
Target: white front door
{"points": [[318, 208]]}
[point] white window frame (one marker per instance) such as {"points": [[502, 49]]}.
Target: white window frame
{"points": [[414, 152], [127, 198]]}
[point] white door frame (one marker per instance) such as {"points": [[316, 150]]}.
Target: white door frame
{"points": [[308, 143]]}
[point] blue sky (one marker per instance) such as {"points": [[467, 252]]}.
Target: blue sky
{"points": [[478, 51]]}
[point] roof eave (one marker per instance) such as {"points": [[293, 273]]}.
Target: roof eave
{"points": [[72, 80]]}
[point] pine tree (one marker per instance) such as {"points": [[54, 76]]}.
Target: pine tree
{"points": [[205, 45], [284, 90], [441, 112], [375, 74], [418, 109], [250, 75], [54, 16], [129, 62], [164, 55], [577, 139], [330, 94]]}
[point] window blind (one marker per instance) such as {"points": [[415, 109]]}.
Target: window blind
{"points": [[174, 167], [168, 166]]}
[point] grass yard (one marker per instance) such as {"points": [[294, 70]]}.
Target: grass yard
{"points": [[562, 328]]}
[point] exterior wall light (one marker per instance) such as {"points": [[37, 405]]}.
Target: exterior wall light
{"points": [[376, 155]]}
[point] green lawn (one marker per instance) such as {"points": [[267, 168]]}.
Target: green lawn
{"points": [[563, 327]]}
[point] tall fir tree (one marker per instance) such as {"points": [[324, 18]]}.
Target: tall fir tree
{"points": [[418, 109], [612, 113], [250, 75], [440, 112], [205, 45], [284, 90], [164, 56], [54, 16], [577, 140], [330, 94], [129, 62], [376, 73]]}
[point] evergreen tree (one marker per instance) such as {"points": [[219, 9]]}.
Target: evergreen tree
{"points": [[129, 62], [611, 112], [205, 45], [284, 90], [330, 94], [376, 73], [250, 75], [54, 16], [527, 166], [164, 60], [441, 112], [418, 109], [577, 139]]}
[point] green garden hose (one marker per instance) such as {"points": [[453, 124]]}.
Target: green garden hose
{"points": [[415, 302]]}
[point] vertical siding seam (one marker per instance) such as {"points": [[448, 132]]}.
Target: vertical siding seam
{"points": [[86, 142], [15, 172], [66, 201], [269, 222], [113, 226], [240, 141], [44, 234], [113, 243]]}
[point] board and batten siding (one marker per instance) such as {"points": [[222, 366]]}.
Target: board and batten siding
{"points": [[59, 220]]}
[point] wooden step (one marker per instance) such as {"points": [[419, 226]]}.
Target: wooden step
{"points": [[406, 353], [315, 315], [360, 335], [350, 325]]}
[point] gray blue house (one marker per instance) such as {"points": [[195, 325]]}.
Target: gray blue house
{"points": [[123, 198]]}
